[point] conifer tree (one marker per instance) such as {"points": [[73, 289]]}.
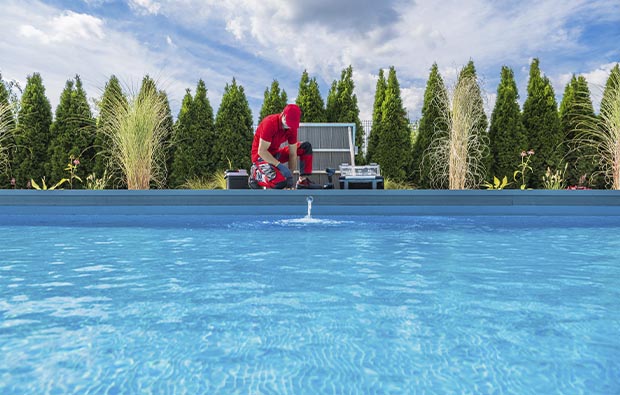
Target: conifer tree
{"points": [[575, 109], [611, 86], [33, 133], [377, 115], [274, 101], [184, 165], [480, 129], [72, 133], [507, 137], [393, 148], [342, 107], [310, 101], [194, 138], [233, 126], [542, 126], [169, 143], [331, 107], [435, 100], [111, 94]]}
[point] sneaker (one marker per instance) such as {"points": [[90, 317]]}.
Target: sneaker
{"points": [[306, 183], [253, 184]]}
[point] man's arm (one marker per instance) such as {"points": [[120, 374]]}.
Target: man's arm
{"points": [[292, 157], [263, 152]]}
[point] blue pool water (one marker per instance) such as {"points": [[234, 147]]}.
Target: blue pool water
{"points": [[347, 305]]}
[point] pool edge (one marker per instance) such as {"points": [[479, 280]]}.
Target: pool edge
{"points": [[326, 202]]}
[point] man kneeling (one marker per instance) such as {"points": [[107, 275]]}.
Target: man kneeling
{"points": [[268, 155]]}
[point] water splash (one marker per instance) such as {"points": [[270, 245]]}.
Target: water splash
{"points": [[308, 218], [309, 199]]}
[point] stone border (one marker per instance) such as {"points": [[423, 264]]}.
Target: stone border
{"points": [[326, 202]]}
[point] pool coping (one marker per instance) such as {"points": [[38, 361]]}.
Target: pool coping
{"points": [[325, 202]]}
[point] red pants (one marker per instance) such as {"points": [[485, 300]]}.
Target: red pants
{"points": [[269, 176]]}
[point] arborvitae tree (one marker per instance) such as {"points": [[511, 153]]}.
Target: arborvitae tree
{"points": [[342, 107], [612, 80], [310, 101], [194, 139], [542, 125], [111, 94], [183, 166], [377, 115], [169, 143], [233, 126], [435, 99], [149, 84], [575, 109], [481, 127], [393, 148], [33, 133], [507, 137], [73, 132], [331, 107], [274, 102]]}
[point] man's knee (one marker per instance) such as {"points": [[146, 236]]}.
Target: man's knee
{"points": [[306, 147]]}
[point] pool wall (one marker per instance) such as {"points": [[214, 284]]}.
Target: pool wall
{"points": [[325, 202]]}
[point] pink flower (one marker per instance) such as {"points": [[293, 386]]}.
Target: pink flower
{"points": [[523, 154], [530, 152], [76, 161]]}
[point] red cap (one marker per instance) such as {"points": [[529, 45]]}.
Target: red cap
{"points": [[292, 112]]}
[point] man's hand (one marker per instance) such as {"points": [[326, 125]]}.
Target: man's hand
{"points": [[286, 173]]}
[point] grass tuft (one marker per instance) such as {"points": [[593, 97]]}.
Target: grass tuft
{"points": [[137, 132]]}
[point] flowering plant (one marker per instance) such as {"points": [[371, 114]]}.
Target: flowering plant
{"points": [[71, 168], [523, 167], [554, 180]]}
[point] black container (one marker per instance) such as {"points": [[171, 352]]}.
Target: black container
{"points": [[361, 182], [236, 179]]}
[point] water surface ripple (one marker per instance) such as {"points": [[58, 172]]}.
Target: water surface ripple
{"points": [[350, 305]]}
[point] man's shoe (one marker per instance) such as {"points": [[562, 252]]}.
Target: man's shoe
{"points": [[306, 183]]}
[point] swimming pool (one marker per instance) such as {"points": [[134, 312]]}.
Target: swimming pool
{"points": [[346, 305]]}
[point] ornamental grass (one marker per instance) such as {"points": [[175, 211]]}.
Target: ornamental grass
{"points": [[602, 133], [457, 152], [136, 137], [7, 129]]}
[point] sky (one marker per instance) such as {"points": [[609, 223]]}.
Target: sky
{"points": [[178, 42]]}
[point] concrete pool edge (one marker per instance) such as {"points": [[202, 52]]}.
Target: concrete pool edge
{"points": [[326, 202]]}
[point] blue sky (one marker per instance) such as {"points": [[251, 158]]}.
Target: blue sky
{"points": [[178, 42]]}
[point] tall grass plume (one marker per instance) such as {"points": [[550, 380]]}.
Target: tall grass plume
{"points": [[7, 129], [602, 133], [136, 135], [457, 152]]}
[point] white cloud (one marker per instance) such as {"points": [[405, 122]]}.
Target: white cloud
{"points": [[410, 36], [69, 26], [145, 6], [274, 37], [235, 26], [60, 44]]}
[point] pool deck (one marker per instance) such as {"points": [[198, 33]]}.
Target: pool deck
{"points": [[325, 202]]}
